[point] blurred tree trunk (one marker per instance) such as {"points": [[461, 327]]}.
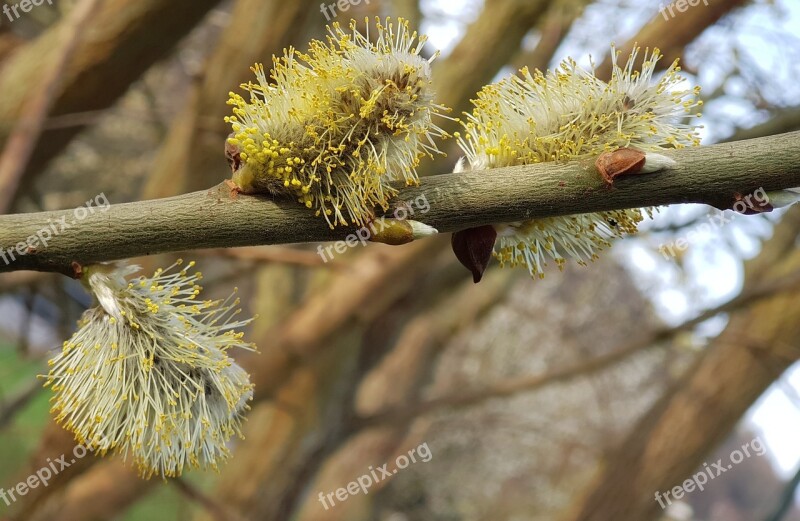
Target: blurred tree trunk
{"points": [[397, 380], [278, 480], [99, 494], [124, 40], [257, 30], [554, 27], [489, 44], [670, 442], [408, 9], [671, 35], [8, 42]]}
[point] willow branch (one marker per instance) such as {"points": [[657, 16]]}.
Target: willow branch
{"points": [[212, 219]]}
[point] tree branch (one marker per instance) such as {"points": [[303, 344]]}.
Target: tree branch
{"points": [[212, 219]]}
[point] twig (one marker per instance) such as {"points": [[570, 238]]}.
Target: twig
{"points": [[211, 219], [18, 401], [273, 254], [217, 511], [786, 500], [23, 138]]}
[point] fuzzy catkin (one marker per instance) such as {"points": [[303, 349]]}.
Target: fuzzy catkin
{"points": [[570, 114], [333, 127], [147, 374]]}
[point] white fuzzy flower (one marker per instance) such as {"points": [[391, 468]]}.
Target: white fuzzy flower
{"points": [[146, 375], [569, 114]]}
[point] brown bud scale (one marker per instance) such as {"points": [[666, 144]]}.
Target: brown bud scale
{"points": [[623, 161]]}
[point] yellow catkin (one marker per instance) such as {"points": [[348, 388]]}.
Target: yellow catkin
{"points": [[334, 126], [569, 114]]}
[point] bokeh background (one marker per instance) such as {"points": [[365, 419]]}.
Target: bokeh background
{"points": [[573, 398]]}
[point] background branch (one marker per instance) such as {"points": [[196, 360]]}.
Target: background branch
{"points": [[22, 141], [526, 383], [125, 39]]}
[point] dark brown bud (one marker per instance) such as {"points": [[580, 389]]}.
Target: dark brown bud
{"points": [[473, 248]]}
